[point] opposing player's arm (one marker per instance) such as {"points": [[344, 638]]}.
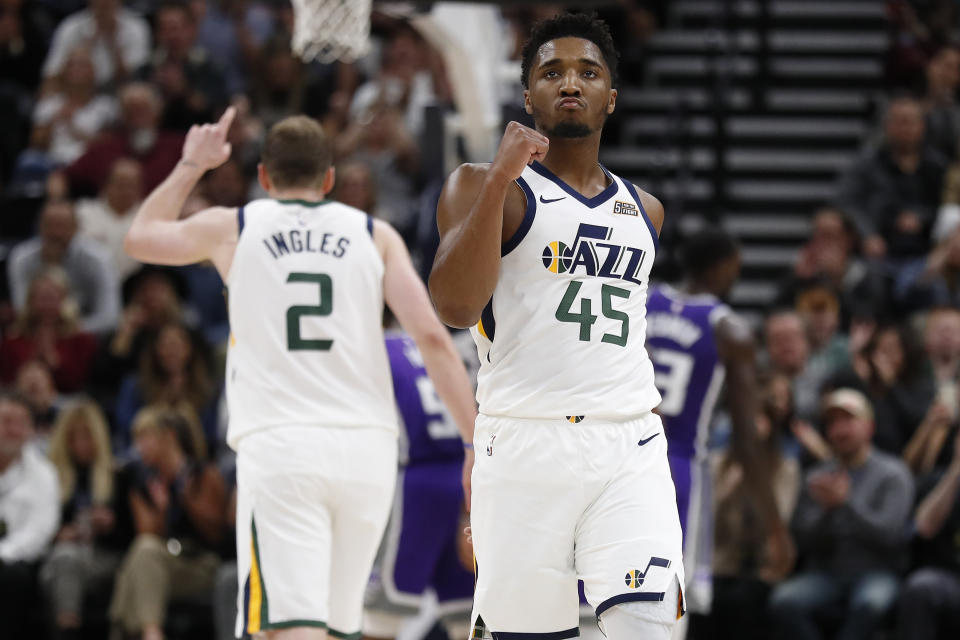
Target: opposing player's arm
{"points": [[408, 300], [653, 207], [157, 236], [479, 206], [737, 349]]}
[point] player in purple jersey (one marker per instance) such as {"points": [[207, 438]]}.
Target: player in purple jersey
{"points": [[697, 344], [420, 547]]}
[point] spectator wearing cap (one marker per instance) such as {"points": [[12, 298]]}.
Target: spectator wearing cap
{"points": [[930, 602], [93, 282], [106, 219], [29, 514], [850, 526], [893, 193], [119, 41]]}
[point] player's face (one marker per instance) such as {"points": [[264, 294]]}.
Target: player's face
{"points": [[570, 94]]}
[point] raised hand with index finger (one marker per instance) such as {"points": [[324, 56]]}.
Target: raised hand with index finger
{"points": [[206, 146]]}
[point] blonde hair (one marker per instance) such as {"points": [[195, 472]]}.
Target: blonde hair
{"points": [[181, 419], [69, 311], [296, 153], [101, 477]]}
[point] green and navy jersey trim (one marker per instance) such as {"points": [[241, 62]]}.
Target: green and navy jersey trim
{"points": [[528, 215], [305, 203], [240, 221], [643, 212], [593, 202]]}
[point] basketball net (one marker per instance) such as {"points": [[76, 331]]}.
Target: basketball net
{"points": [[330, 30]]}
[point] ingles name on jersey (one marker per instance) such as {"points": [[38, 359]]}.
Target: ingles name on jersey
{"points": [[594, 254], [297, 241]]}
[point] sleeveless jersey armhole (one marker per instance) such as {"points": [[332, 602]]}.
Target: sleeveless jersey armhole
{"points": [[636, 197], [241, 220], [526, 223]]}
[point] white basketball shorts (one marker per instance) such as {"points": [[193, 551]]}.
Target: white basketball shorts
{"points": [[554, 502], [312, 505]]}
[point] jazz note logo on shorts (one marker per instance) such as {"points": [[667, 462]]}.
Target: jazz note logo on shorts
{"points": [[634, 578], [490, 445]]}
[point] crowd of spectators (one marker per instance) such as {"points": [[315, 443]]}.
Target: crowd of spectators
{"points": [[859, 378], [116, 487]]}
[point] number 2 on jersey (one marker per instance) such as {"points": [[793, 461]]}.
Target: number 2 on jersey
{"points": [[295, 342], [586, 319]]}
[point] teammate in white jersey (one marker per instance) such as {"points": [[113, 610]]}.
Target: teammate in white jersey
{"points": [[309, 391], [547, 255]]}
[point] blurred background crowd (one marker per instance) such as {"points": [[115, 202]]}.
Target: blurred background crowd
{"points": [[112, 424]]}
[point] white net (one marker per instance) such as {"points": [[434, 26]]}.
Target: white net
{"points": [[329, 30]]}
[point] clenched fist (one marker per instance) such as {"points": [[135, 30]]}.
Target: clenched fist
{"points": [[519, 147]]}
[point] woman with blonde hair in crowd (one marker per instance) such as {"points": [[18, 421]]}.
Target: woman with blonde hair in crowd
{"points": [[84, 555], [47, 329], [179, 507]]}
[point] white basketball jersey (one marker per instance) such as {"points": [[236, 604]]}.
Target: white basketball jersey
{"points": [[563, 335], [305, 295]]}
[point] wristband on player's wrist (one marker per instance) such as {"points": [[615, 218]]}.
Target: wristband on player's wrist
{"points": [[468, 445]]}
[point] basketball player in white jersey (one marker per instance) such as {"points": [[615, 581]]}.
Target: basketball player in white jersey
{"points": [[546, 256], [312, 414]]}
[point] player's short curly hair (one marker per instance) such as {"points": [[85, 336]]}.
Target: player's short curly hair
{"points": [[707, 248], [576, 25]]}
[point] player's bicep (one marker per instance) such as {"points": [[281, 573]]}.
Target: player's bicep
{"points": [[456, 198], [180, 242]]}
